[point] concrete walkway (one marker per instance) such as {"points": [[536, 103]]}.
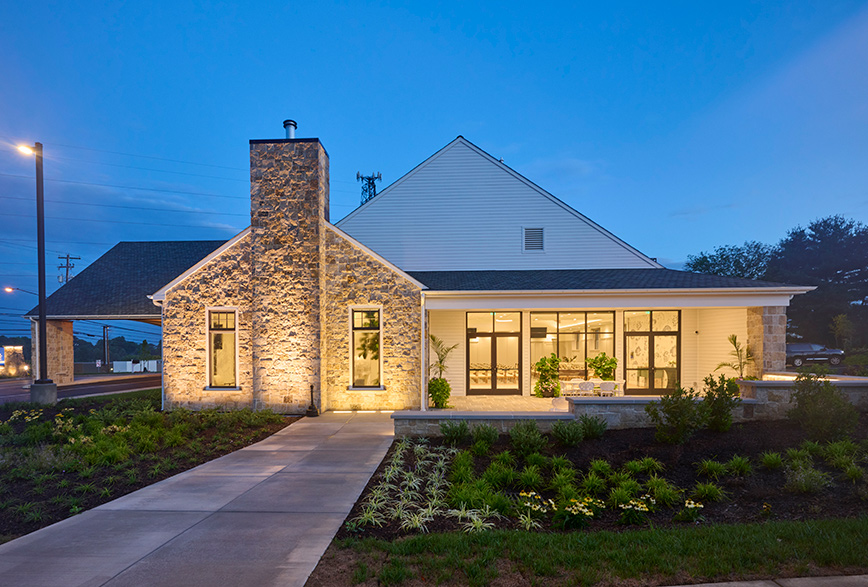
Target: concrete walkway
{"points": [[263, 515]]}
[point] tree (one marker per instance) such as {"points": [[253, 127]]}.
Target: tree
{"points": [[748, 260], [832, 254], [842, 329]]}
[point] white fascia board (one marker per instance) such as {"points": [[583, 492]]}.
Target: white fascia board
{"points": [[160, 295], [614, 299], [395, 269], [100, 317]]}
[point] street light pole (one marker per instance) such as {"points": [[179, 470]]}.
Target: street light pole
{"points": [[43, 390]]}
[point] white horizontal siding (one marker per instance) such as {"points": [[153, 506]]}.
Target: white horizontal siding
{"points": [[450, 326], [462, 210], [704, 344]]}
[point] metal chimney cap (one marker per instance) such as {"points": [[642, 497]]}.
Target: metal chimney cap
{"points": [[289, 122], [290, 127]]}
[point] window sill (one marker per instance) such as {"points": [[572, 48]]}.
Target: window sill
{"points": [[221, 388], [351, 388]]}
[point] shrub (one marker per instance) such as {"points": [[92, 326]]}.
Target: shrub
{"points": [[499, 475], [537, 459], [593, 484], [560, 463], [710, 468], [548, 384], [454, 433], [804, 478], [526, 438], [676, 416], [601, 467], [721, 398], [505, 458], [568, 433], [563, 478], [707, 492], [603, 366], [592, 426], [439, 391], [664, 492], [619, 495], [820, 409], [462, 467], [480, 448], [772, 460], [530, 478], [484, 432], [739, 466]]}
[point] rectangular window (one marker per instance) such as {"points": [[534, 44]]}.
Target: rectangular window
{"points": [[652, 339], [366, 348], [221, 349], [494, 353], [572, 336]]}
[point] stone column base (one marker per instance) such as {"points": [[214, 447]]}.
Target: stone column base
{"points": [[43, 393]]}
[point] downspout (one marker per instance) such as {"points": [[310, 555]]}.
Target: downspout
{"points": [[424, 366]]}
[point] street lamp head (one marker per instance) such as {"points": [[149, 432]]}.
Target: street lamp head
{"points": [[8, 289], [25, 149]]}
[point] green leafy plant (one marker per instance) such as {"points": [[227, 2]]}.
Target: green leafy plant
{"points": [[603, 365], [742, 356], [691, 512], [593, 484], [676, 415], [803, 478], [739, 466], [526, 437], [708, 492], [711, 468], [636, 510], [530, 478], [547, 369], [593, 427], [568, 433], [484, 432], [721, 398], [820, 409], [439, 391], [772, 460], [537, 459], [600, 467], [454, 432], [480, 448]]}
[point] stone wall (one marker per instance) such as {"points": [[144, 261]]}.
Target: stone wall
{"points": [[288, 209], [355, 278], [224, 282], [413, 424], [59, 348], [772, 398], [767, 338]]}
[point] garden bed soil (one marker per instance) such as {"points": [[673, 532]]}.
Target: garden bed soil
{"points": [[755, 497], [107, 483]]}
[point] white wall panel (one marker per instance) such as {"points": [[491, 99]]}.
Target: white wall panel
{"points": [[450, 326], [463, 210]]}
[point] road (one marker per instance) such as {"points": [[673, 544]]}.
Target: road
{"points": [[18, 390]]}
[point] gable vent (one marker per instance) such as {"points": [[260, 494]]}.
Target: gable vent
{"points": [[533, 239]]}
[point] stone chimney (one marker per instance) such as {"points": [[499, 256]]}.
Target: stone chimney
{"points": [[289, 207]]}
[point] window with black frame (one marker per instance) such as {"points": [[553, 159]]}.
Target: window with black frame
{"points": [[574, 337], [221, 349], [366, 348]]}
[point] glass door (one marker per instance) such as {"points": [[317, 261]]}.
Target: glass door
{"points": [[494, 353], [651, 344]]}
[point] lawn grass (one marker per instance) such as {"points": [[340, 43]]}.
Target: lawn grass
{"points": [[648, 556], [57, 461]]}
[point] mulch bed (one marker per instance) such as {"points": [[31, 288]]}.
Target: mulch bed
{"points": [[757, 497], [17, 491]]}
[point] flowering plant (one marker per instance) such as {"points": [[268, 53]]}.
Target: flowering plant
{"points": [[691, 512], [636, 510], [576, 513]]}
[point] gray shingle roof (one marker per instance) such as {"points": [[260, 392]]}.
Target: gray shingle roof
{"points": [[579, 279], [118, 283]]}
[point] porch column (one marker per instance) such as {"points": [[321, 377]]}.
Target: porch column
{"points": [[59, 346], [767, 338]]}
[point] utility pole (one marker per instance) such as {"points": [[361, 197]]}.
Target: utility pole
{"points": [[369, 188], [105, 347], [65, 279]]}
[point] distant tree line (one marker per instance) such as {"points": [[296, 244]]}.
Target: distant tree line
{"points": [[120, 349], [831, 254]]}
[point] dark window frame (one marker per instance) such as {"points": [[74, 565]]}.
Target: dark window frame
{"points": [[652, 334], [379, 330], [586, 333], [494, 336]]}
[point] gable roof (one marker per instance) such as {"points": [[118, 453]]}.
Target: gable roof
{"points": [[463, 209], [587, 279], [117, 285]]}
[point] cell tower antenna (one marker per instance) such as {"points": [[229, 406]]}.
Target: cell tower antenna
{"points": [[369, 188]]}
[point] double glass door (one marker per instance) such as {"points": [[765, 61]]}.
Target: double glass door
{"points": [[651, 346], [494, 353]]}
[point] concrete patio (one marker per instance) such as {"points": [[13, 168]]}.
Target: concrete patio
{"points": [[263, 515]]}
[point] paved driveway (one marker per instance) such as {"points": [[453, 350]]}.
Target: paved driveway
{"points": [[260, 516]]}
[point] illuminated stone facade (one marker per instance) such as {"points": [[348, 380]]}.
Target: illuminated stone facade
{"points": [[767, 338], [292, 280], [58, 343]]}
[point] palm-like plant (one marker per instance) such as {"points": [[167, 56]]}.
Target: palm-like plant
{"points": [[742, 356], [442, 351]]}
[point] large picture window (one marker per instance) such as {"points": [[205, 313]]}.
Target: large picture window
{"points": [[652, 343], [366, 348], [494, 353], [574, 337], [222, 348]]}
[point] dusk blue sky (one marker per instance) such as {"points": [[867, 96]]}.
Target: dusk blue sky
{"points": [[677, 126]]}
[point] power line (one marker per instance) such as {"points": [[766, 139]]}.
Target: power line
{"points": [[112, 221], [127, 187], [150, 169], [145, 156], [153, 208]]}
